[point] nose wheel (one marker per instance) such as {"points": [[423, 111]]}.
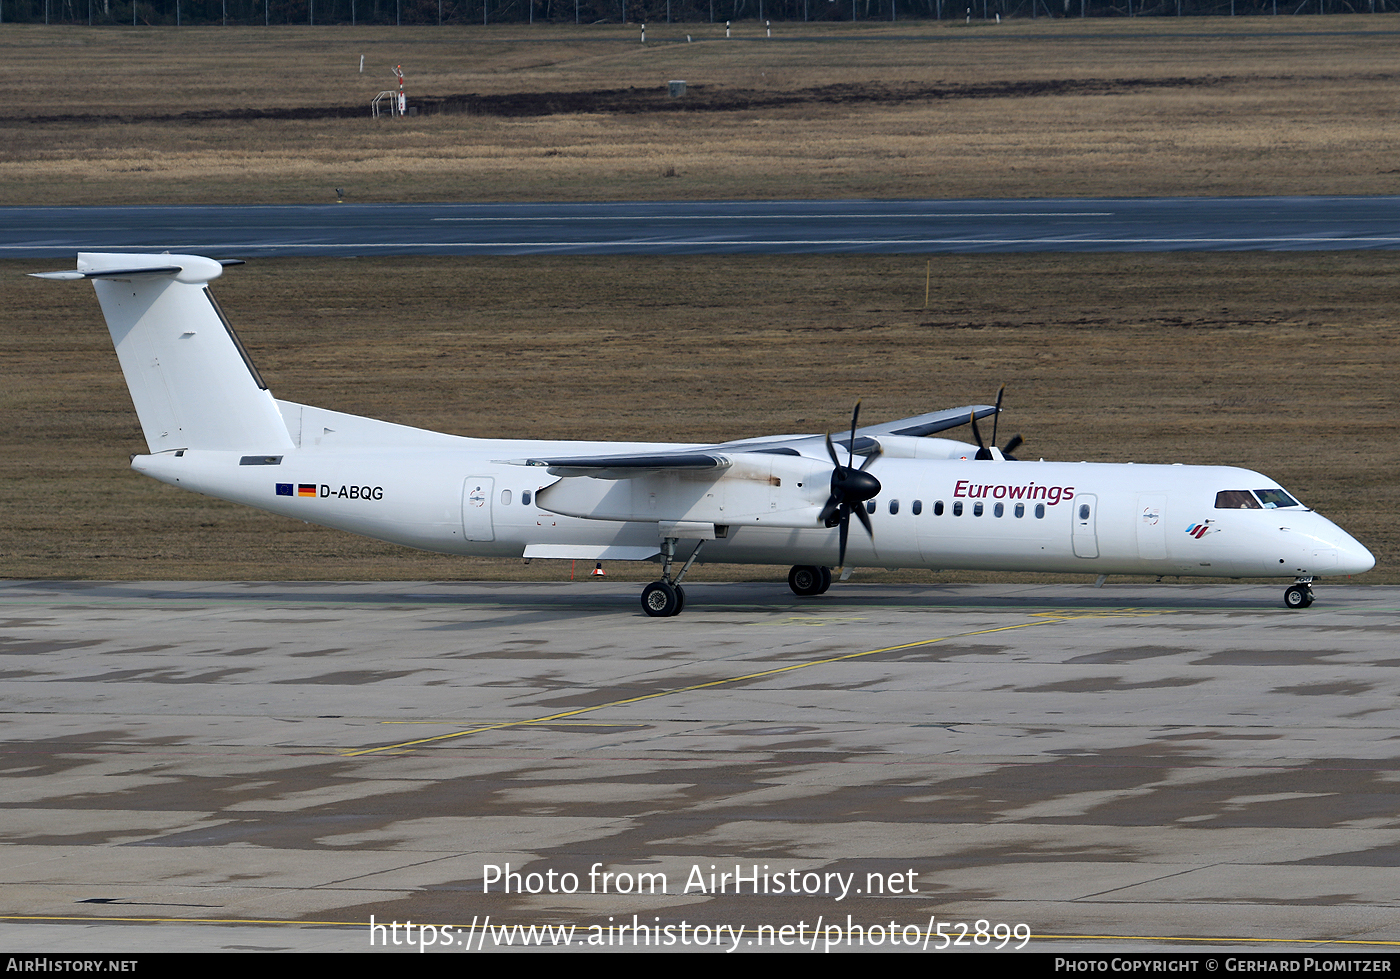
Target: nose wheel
{"points": [[1298, 595]]}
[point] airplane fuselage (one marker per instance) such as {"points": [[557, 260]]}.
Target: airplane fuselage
{"points": [[212, 426], [460, 497]]}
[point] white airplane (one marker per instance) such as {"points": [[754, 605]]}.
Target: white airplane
{"points": [[213, 427]]}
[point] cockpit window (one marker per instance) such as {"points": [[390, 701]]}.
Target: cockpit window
{"points": [[1236, 500], [1274, 498], [1265, 499]]}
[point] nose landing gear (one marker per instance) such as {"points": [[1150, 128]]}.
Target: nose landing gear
{"points": [[1299, 594]]}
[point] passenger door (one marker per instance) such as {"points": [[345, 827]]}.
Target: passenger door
{"points": [[476, 508], [1086, 540]]}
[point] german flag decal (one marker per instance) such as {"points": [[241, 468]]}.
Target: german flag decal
{"points": [[306, 489]]}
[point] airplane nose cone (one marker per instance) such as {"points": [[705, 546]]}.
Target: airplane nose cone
{"points": [[1323, 548], [1355, 559], [1350, 554]]}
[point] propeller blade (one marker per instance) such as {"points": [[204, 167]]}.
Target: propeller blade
{"points": [[865, 520], [831, 451], [850, 488], [871, 458], [851, 446], [982, 451], [1015, 443], [997, 417]]}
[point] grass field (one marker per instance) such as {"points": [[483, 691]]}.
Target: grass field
{"points": [[1256, 105], [1278, 362]]}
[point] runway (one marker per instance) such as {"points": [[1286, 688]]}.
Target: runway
{"points": [[710, 227], [205, 766]]}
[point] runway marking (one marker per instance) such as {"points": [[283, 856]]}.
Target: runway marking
{"points": [[784, 245], [565, 723], [1073, 614], [1040, 619], [819, 620], [98, 919], [834, 216]]}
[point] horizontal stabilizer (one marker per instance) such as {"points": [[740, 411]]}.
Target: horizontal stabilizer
{"points": [[186, 268], [109, 273], [192, 382]]}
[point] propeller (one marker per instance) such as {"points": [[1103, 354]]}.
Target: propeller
{"points": [[983, 452], [850, 488]]}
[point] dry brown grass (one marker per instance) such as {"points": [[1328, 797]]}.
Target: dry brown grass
{"points": [[1265, 106], [1278, 362]]}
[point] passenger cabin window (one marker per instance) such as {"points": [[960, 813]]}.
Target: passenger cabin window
{"points": [[1236, 500], [870, 507], [1020, 510], [957, 508], [977, 509], [938, 508], [918, 507], [1040, 511], [894, 507], [999, 509], [505, 497], [524, 497]]}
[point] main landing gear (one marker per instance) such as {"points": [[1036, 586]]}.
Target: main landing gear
{"points": [[805, 579], [1299, 594], [664, 598]]}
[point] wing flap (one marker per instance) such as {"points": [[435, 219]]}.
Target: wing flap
{"points": [[591, 552], [633, 466]]}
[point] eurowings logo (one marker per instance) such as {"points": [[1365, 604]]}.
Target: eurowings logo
{"points": [[1199, 530], [999, 491]]}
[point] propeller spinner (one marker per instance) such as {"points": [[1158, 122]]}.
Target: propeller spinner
{"points": [[850, 488]]}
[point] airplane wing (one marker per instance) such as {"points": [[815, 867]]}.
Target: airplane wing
{"points": [[927, 424], [867, 437], [764, 480], [715, 459]]}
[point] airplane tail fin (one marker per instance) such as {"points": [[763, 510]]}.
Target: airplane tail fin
{"points": [[192, 382]]}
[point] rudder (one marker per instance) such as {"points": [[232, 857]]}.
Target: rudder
{"points": [[190, 379]]}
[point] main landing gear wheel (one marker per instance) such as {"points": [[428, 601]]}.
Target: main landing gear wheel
{"points": [[805, 579], [661, 599], [665, 598], [1298, 596]]}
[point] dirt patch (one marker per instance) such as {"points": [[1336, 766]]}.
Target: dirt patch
{"points": [[637, 101]]}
